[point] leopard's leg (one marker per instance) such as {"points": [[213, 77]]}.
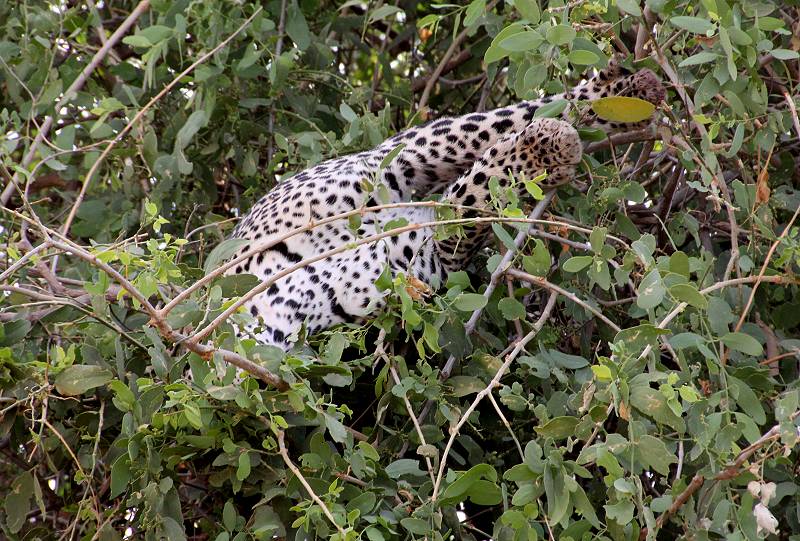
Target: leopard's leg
{"points": [[545, 145], [437, 153]]}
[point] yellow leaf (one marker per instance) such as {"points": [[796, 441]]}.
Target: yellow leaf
{"points": [[623, 109]]}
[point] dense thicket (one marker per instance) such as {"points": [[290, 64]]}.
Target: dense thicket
{"points": [[633, 374]]}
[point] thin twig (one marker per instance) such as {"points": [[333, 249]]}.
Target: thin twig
{"points": [[76, 85], [381, 352], [500, 414], [296, 471], [265, 284], [732, 470], [107, 150], [551, 302], [494, 279], [543, 282], [426, 93], [775, 244], [278, 51]]}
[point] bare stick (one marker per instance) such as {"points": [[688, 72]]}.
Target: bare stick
{"points": [[732, 470], [543, 282], [205, 331], [296, 471], [107, 150], [505, 262], [775, 244], [76, 85], [426, 93], [489, 388]]}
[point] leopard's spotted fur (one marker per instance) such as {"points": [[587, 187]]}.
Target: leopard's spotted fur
{"points": [[456, 156]]}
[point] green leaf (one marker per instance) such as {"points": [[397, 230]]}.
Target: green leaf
{"points": [[383, 12], [770, 23], [469, 302], [623, 109], [585, 507], [600, 274], [389, 158], [526, 492], [156, 32], [124, 399], [679, 264], [565, 360], [137, 41], [415, 526], [689, 294], [551, 110], [458, 489], [18, 502], [630, 6], [653, 453], [243, 470], [555, 489], [529, 9], [193, 124], [474, 11], [560, 34], [511, 308], [692, 24], [229, 515], [538, 263], [637, 338], [403, 466], [297, 27], [577, 263], [654, 404], [236, 285], [504, 236], [592, 134], [602, 372], [495, 52], [79, 378], [620, 512], [558, 428], [534, 189], [651, 290], [785, 54], [581, 57], [465, 385], [744, 343], [223, 251], [597, 238], [699, 58], [527, 40], [485, 493], [120, 475], [747, 400]]}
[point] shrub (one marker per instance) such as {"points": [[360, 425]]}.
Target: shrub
{"points": [[628, 370]]}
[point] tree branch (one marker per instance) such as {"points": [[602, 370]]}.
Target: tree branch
{"points": [[76, 85]]}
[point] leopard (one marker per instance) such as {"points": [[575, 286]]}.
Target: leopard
{"points": [[452, 159]]}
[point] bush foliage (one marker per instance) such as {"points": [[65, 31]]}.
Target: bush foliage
{"points": [[628, 370]]}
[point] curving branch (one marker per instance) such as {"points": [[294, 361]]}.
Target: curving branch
{"points": [[548, 309], [107, 150], [77, 84], [732, 470]]}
